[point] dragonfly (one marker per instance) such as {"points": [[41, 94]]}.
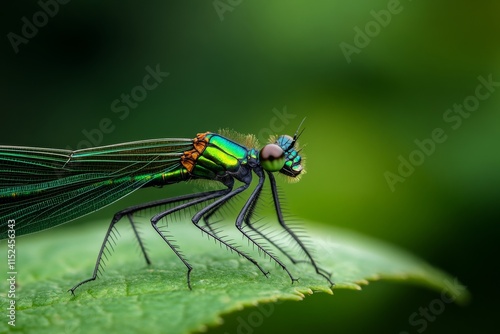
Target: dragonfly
{"points": [[41, 188]]}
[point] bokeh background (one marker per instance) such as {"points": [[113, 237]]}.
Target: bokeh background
{"points": [[244, 65]]}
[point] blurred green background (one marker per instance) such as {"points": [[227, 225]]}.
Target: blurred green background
{"points": [[245, 64]]}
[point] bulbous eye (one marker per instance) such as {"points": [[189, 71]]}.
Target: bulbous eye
{"points": [[272, 157]]}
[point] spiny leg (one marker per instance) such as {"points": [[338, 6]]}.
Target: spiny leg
{"points": [[226, 194], [251, 225], [131, 210], [99, 256], [245, 215], [256, 230], [215, 205], [206, 218], [281, 220], [129, 213], [158, 217], [138, 237], [249, 209]]}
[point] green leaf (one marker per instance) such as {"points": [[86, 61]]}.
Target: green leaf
{"points": [[131, 296]]}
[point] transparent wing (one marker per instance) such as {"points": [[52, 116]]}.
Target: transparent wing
{"points": [[42, 188]]}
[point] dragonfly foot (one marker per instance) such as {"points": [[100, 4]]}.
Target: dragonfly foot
{"points": [[328, 279], [72, 290], [189, 278]]}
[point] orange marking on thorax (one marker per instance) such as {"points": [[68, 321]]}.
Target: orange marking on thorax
{"points": [[188, 160]]}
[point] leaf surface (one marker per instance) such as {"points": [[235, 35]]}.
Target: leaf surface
{"points": [[131, 296]]}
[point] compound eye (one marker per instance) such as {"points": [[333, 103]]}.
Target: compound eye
{"points": [[272, 157]]}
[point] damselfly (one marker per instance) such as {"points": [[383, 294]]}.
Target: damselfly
{"points": [[41, 188]]}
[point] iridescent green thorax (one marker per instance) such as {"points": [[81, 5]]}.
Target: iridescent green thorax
{"points": [[213, 156], [225, 152]]}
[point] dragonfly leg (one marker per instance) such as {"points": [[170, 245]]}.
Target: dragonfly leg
{"points": [[208, 216], [97, 267], [216, 205], [138, 237], [224, 196], [256, 230], [281, 220], [245, 215], [208, 223], [158, 217], [129, 213]]}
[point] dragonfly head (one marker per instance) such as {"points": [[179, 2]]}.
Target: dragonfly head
{"points": [[282, 156]]}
